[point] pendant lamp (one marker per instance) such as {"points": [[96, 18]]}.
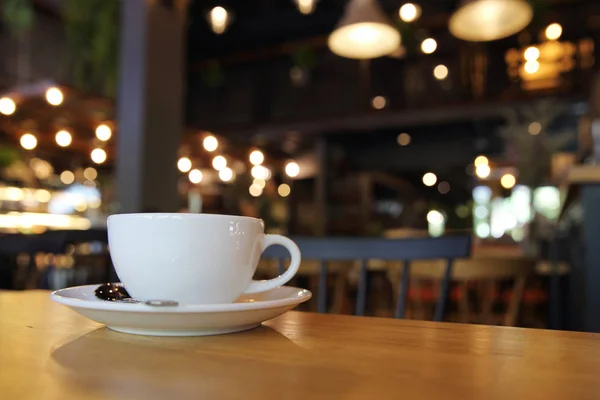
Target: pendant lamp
{"points": [[487, 20], [364, 32]]}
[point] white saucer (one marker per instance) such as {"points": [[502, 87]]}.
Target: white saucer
{"points": [[248, 312]]}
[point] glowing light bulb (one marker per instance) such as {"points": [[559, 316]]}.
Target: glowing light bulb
{"points": [[54, 96], [284, 190], [481, 160], [292, 169], [7, 106], [508, 181], [255, 191], [554, 31], [428, 46], [306, 6], [219, 162], [103, 132], [210, 143], [257, 157], [379, 102], [28, 141], [531, 67], [532, 53], [226, 174], [535, 128], [403, 139], [218, 17], [409, 12], [483, 171], [67, 177], [435, 217], [429, 179], [259, 172], [98, 155], [90, 173], [63, 138], [440, 72], [184, 164], [261, 183], [195, 176]]}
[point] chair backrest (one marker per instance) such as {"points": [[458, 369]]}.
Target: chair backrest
{"points": [[476, 268], [364, 249], [487, 270]]}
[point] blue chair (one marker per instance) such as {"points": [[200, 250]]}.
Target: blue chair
{"points": [[364, 249]]}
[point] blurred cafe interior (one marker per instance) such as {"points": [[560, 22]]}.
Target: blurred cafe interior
{"points": [[326, 119]]}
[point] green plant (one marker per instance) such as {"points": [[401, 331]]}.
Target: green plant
{"points": [[8, 155], [17, 15], [91, 28]]}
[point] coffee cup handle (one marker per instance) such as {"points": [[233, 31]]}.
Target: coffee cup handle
{"points": [[270, 240]]}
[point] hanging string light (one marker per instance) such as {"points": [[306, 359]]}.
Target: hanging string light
{"points": [[257, 157], [403, 139], [103, 132], [261, 183], [195, 176], [428, 46], [67, 177], [90, 173], [483, 171], [28, 141], [284, 190], [292, 169], [508, 181], [63, 138], [54, 96], [260, 172], [219, 162], [98, 155], [481, 160], [429, 179], [7, 106], [218, 18], [306, 6], [255, 190], [409, 12], [553, 31], [440, 72], [226, 174], [184, 164], [210, 143], [379, 102]]}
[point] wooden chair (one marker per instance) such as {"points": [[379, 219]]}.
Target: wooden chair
{"points": [[488, 272], [328, 250]]}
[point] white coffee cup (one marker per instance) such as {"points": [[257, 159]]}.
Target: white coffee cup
{"points": [[192, 258]]}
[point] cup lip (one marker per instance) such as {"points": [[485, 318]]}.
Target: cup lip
{"points": [[182, 215]]}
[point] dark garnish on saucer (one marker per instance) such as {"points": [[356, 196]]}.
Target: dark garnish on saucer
{"points": [[111, 292]]}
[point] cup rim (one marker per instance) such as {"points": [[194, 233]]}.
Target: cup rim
{"points": [[183, 215]]}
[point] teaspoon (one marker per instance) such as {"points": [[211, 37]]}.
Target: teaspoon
{"points": [[117, 293]]}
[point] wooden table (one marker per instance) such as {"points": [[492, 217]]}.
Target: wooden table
{"points": [[49, 352]]}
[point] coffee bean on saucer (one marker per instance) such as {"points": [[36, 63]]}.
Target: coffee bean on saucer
{"points": [[111, 292]]}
